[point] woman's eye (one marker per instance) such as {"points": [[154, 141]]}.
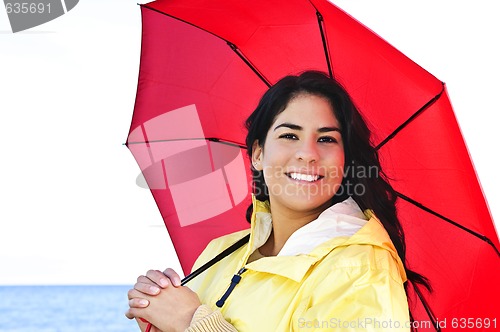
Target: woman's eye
{"points": [[288, 136], [327, 139]]}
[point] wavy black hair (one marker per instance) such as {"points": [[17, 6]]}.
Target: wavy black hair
{"points": [[360, 154]]}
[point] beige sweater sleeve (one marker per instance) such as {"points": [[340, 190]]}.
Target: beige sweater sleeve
{"points": [[207, 320]]}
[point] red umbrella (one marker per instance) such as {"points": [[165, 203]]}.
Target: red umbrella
{"points": [[204, 65]]}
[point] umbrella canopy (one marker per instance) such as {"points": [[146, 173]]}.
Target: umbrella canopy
{"points": [[204, 66]]}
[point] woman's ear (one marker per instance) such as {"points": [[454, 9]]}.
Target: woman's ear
{"points": [[257, 156]]}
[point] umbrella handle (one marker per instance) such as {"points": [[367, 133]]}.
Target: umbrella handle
{"points": [[148, 328]]}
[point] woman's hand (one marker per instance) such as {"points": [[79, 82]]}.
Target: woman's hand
{"points": [[151, 284], [159, 298], [155, 280]]}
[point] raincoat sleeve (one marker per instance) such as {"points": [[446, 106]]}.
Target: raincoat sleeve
{"points": [[366, 297], [207, 320]]}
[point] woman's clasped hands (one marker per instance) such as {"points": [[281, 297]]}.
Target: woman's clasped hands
{"points": [[159, 298]]}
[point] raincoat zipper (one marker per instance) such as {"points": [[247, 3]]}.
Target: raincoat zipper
{"points": [[234, 281]]}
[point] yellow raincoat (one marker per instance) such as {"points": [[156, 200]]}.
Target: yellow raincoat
{"points": [[348, 283]]}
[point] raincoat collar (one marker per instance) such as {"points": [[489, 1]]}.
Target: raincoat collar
{"points": [[356, 228]]}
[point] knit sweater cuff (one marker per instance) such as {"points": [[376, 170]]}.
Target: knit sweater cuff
{"points": [[205, 319]]}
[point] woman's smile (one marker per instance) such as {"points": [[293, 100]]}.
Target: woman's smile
{"points": [[308, 178]]}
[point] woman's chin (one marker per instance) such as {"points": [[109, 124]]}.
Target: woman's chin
{"points": [[307, 203]]}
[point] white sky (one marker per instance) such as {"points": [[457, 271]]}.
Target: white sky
{"points": [[70, 212]]}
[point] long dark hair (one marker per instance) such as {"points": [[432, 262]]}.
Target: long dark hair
{"points": [[360, 154]]}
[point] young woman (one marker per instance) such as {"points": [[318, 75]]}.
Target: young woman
{"points": [[326, 249]]}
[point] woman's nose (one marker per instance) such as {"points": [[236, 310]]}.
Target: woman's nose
{"points": [[308, 151]]}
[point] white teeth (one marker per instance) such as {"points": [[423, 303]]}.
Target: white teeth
{"points": [[304, 177]]}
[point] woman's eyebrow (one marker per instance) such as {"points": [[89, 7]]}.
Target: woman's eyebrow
{"points": [[289, 125], [328, 129], [297, 127]]}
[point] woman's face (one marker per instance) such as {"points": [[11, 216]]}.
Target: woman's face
{"points": [[303, 155]]}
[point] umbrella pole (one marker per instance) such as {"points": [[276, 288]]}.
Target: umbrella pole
{"points": [[214, 260]]}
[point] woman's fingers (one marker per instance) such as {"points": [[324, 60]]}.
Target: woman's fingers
{"points": [[173, 276], [137, 299], [136, 313], [148, 288], [138, 303], [145, 288], [129, 314], [158, 278]]}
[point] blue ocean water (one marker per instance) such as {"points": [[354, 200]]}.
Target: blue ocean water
{"points": [[64, 308]]}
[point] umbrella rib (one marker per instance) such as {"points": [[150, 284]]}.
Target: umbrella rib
{"points": [[325, 44], [427, 307], [448, 220], [248, 63], [179, 19], [411, 118], [212, 139], [231, 45]]}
